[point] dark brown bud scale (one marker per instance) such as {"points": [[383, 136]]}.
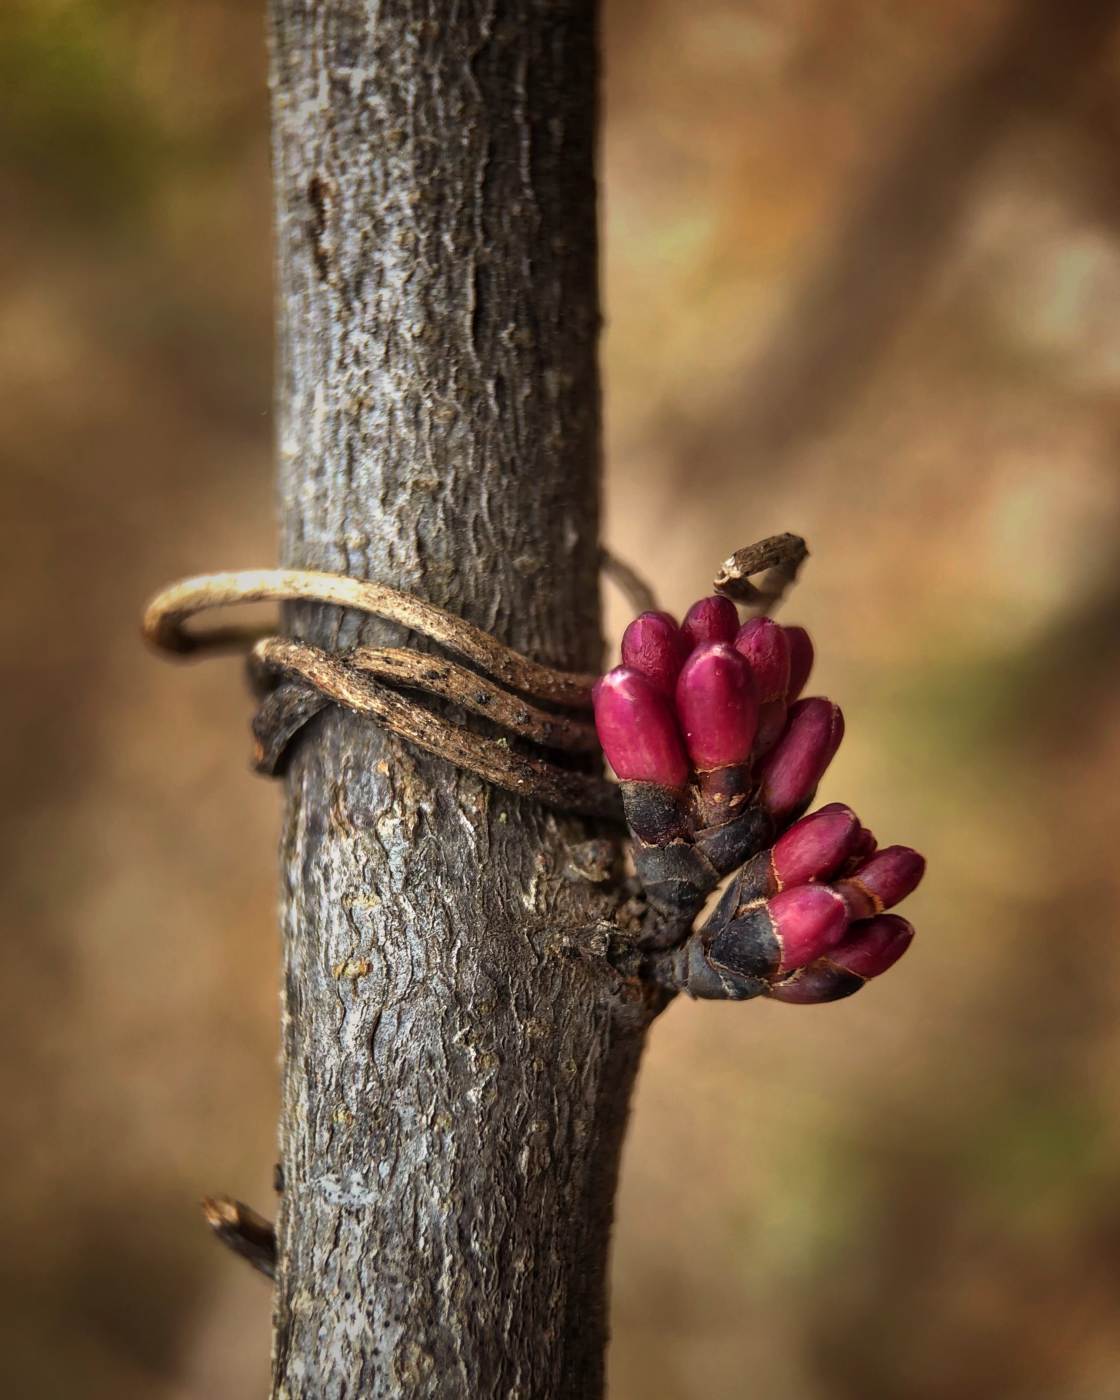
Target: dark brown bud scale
{"points": [[729, 843], [702, 980], [747, 946], [677, 877], [655, 813]]}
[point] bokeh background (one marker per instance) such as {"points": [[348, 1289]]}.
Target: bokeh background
{"points": [[862, 280]]}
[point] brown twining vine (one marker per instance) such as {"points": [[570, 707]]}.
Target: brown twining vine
{"points": [[545, 707]]}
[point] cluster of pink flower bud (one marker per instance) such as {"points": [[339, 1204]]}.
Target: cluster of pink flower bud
{"points": [[806, 920], [717, 754], [711, 695]]}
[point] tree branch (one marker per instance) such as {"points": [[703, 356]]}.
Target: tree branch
{"points": [[453, 1107]]}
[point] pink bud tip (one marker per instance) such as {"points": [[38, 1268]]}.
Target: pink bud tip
{"points": [[654, 645], [638, 730], [792, 771], [800, 660], [816, 846], [872, 946], [765, 647], [809, 920], [713, 619], [864, 846], [884, 881], [717, 707]]}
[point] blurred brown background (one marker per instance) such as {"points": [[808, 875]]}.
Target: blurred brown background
{"points": [[862, 263]]}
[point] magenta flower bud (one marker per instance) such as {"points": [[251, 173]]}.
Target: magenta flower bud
{"points": [[864, 845], [865, 951], [713, 619], [815, 847], [800, 660], [638, 730], [654, 645], [809, 920], [772, 719], [717, 707], [790, 774], [765, 647], [771, 938], [870, 947], [884, 881]]}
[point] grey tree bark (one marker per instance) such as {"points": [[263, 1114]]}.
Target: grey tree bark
{"points": [[457, 1053]]}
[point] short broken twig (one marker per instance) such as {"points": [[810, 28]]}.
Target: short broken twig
{"points": [[777, 559], [241, 1229]]}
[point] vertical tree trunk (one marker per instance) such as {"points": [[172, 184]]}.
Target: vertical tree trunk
{"points": [[458, 1056]]}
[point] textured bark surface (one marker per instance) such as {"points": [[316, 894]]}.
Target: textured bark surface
{"points": [[458, 1055]]}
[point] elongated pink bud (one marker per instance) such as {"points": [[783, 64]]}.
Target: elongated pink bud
{"points": [[713, 619], [864, 846], [815, 847], [765, 647], [638, 730], [800, 660], [809, 920], [867, 950], [792, 771], [870, 947], [884, 881], [772, 719], [717, 707], [654, 645]]}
